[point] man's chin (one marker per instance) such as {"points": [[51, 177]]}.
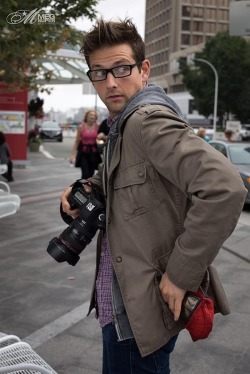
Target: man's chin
{"points": [[115, 108]]}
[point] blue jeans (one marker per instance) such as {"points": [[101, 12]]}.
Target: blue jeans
{"points": [[124, 357]]}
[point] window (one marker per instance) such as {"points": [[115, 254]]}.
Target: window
{"points": [[185, 39], [191, 106], [186, 11], [220, 147], [197, 26], [185, 25], [240, 155]]}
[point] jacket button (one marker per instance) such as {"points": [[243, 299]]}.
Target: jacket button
{"points": [[119, 259], [140, 174]]}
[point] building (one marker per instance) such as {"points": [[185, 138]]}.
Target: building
{"points": [[180, 28]]}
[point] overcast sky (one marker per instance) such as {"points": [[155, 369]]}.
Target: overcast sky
{"points": [[70, 96]]}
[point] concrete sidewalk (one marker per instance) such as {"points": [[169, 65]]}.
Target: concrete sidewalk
{"points": [[45, 303]]}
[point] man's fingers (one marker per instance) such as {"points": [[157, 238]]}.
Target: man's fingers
{"points": [[171, 305], [175, 307], [87, 188], [64, 200], [177, 310], [172, 295]]}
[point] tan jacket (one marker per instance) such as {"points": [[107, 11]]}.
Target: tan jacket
{"points": [[172, 200]]}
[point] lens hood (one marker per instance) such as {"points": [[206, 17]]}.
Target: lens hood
{"points": [[61, 253]]}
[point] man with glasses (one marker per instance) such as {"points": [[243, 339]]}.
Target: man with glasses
{"points": [[171, 201]]}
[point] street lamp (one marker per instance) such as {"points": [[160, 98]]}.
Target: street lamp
{"points": [[215, 91]]}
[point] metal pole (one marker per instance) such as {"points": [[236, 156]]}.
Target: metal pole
{"points": [[96, 101], [215, 91]]}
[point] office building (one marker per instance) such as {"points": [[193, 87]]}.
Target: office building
{"points": [[179, 28]]}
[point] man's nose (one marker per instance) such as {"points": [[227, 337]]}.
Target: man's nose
{"points": [[111, 80]]}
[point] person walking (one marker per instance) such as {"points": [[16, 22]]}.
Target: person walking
{"points": [[202, 134], [171, 202], [5, 158], [228, 135], [85, 151]]}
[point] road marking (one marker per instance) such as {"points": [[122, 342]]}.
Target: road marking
{"points": [[235, 253], [46, 153], [55, 176], [40, 197], [32, 236], [57, 326]]}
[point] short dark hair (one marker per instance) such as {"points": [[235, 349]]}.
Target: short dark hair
{"points": [[110, 33]]}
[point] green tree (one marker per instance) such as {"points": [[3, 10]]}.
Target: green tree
{"points": [[230, 55], [22, 40]]}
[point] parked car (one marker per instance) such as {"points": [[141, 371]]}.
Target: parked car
{"points": [[51, 130], [239, 155], [245, 131]]}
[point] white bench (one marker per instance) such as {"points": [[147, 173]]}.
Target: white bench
{"points": [[3, 168], [17, 357], [8, 339], [9, 202]]}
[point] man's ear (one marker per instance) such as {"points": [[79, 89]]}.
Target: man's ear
{"points": [[145, 69]]}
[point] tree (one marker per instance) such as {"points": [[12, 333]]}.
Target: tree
{"points": [[230, 55], [29, 29]]}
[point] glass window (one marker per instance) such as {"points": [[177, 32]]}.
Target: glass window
{"points": [[197, 26], [185, 25], [197, 39], [185, 39], [240, 155], [186, 11], [220, 147]]}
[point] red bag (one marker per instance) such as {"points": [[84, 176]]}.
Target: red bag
{"points": [[198, 314]]}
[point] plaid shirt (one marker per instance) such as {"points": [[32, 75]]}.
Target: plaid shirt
{"points": [[103, 285], [104, 278]]}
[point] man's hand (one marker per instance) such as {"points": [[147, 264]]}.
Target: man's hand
{"points": [[65, 204], [173, 295]]}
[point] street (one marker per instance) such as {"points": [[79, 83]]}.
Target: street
{"points": [[59, 150], [45, 303]]}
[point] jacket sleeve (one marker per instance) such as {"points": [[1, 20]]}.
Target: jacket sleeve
{"points": [[208, 179], [97, 178]]}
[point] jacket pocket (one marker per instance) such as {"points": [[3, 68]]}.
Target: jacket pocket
{"points": [[167, 315], [134, 190]]}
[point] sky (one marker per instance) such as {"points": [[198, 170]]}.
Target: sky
{"points": [[64, 97]]}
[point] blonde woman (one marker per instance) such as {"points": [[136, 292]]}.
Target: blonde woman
{"points": [[84, 153]]}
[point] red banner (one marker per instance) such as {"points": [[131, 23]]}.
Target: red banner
{"points": [[13, 121]]}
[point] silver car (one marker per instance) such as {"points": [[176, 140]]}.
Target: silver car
{"points": [[51, 130], [239, 155]]}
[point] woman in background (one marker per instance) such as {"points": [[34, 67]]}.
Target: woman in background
{"points": [[202, 134], [85, 147], [5, 157]]}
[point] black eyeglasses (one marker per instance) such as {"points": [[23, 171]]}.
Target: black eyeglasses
{"points": [[117, 72]]}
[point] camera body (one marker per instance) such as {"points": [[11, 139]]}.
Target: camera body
{"points": [[82, 229]]}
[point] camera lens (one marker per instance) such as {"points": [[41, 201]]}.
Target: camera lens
{"points": [[71, 242], [61, 253], [82, 229]]}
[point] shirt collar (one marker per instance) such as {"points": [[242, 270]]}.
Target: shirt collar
{"points": [[111, 121]]}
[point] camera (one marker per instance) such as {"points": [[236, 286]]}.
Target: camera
{"points": [[82, 229]]}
